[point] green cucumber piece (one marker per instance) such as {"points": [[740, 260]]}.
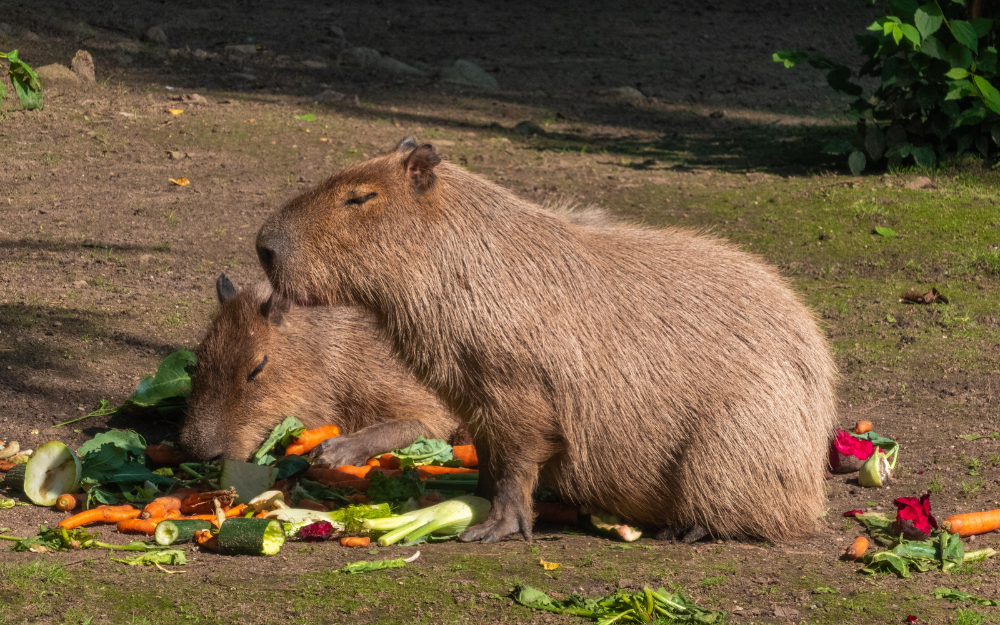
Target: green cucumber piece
{"points": [[252, 537], [15, 477], [170, 532]]}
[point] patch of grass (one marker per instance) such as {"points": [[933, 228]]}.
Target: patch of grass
{"points": [[973, 466], [712, 582], [995, 460], [967, 617], [935, 487], [972, 490]]}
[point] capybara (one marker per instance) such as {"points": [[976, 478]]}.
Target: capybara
{"points": [[259, 363], [658, 374]]}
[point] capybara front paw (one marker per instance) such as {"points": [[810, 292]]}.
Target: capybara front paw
{"points": [[339, 451], [495, 529]]}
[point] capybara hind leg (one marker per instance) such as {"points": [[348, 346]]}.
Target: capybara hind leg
{"points": [[358, 447], [511, 513]]}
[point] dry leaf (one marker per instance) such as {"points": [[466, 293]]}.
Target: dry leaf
{"points": [[175, 111], [549, 566], [180, 182]]}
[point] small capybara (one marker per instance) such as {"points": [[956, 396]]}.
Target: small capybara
{"points": [[661, 375], [259, 363]]}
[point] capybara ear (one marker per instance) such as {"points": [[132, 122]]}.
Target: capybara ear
{"points": [[406, 144], [275, 309], [420, 166], [224, 289]]}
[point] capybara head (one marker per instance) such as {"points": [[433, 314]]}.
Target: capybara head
{"points": [[250, 374], [347, 221]]}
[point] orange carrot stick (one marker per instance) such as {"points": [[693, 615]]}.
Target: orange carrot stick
{"points": [[972, 523], [467, 454], [373, 462], [428, 470], [68, 501], [138, 526], [857, 548], [355, 541], [206, 539], [389, 461], [165, 455], [104, 514], [862, 427], [358, 472], [235, 511], [311, 438], [158, 508]]}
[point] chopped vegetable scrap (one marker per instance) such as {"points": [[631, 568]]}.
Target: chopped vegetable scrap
{"points": [[857, 548], [376, 565], [848, 453], [623, 606], [445, 520], [166, 556], [959, 596], [309, 439], [972, 523], [319, 530], [914, 520]]}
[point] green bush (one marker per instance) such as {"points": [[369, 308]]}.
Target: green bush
{"points": [[936, 65]]}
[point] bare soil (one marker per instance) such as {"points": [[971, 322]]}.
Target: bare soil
{"points": [[106, 266]]}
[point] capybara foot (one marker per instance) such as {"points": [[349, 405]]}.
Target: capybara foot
{"points": [[494, 529], [669, 532], [340, 450], [694, 534]]}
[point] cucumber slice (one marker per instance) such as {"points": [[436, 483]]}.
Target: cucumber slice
{"points": [[170, 532], [52, 470], [248, 479], [252, 537]]}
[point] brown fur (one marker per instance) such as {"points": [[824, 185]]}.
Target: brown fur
{"points": [[661, 375], [324, 365]]}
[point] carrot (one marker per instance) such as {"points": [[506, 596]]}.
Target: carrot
{"points": [[6, 466], [172, 514], [327, 476], [158, 508], [165, 455], [467, 454], [311, 438], [309, 504], [103, 514], [261, 514], [857, 548], [211, 518], [373, 462], [235, 511], [184, 492], [557, 513], [862, 427], [138, 526], [427, 471], [68, 501], [355, 541], [972, 523], [206, 539], [389, 462], [358, 472]]}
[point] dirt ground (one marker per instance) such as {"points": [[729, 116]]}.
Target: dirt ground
{"points": [[106, 266]]}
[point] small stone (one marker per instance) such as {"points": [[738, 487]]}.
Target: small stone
{"points": [[468, 74], [156, 35], [360, 57], [200, 54], [27, 35], [920, 182], [335, 96], [241, 51], [388, 65], [56, 73], [194, 98], [628, 95], [80, 284], [309, 63], [528, 128], [83, 66]]}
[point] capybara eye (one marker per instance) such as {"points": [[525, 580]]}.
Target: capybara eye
{"points": [[257, 370], [361, 200]]}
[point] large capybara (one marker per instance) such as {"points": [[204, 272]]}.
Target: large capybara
{"points": [[259, 363], [661, 375]]}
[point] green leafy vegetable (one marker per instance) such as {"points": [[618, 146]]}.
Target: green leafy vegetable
{"points": [[172, 380], [969, 437], [25, 81], [286, 431], [127, 440], [166, 556], [426, 451], [623, 606], [944, 551], [395, 489], [307, 489], [290, 466], [374, 565], [958, 595], [885, 232], [308, 117]]}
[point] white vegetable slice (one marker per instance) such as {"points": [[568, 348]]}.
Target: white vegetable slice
{"points": [[52, 470]]}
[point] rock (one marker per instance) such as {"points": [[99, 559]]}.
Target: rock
{"points": [[156, 35], [920, 182], [27, 35], [388, 65], [335, 96], [80, 284], [83, 66], [528, 128], [201, 55], [468, 74], [309, 63], [628, 95], [56, 73], [786, 613], [360, 57], [240, 51]]}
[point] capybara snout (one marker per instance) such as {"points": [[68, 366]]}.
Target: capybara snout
{"points": [[263, 359]]}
